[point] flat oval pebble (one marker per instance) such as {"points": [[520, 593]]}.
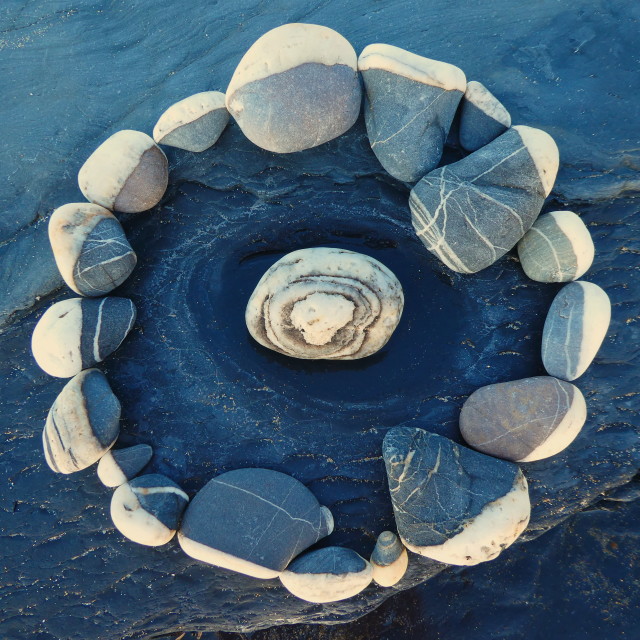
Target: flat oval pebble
{"points": [[118, 466], [263, 519], [91, 250], [296, 88], [482, 117], [523, 420], [83, 423], [471, 212], [327, 575], [77, 333], [453, 504], [557, 248], [128, 172], [193, 124], [410, 102], [148, 509], [389, 560], [574, 329], [321, 303]]}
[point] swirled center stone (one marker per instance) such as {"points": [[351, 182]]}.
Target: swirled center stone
{"points": [[320, 315]]}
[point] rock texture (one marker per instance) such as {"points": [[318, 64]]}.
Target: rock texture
{"points": [[482, 117], [410, 102], [576, 325], [523, 420], [452, 504], [295, 88], [389, 560], [329, 304], [118, 466]]}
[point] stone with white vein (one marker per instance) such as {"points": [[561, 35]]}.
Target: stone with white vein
{"points": [[575, 327], [82, 424], [330, 574], [557, 248], [389, 560], [471, 212], [148, 509], [194, 123], [119, 465], [453, 504], [410, 102], [77, 333], [90, 248], [523, 420], [263, 519], [295, 88], [128, 172], [325, 303], [482, 117]]}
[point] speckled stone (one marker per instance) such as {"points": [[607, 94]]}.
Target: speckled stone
{"points": [[557, 248], [523, 420], [77, 333], [327, 575], [82, 424], [91, 250], [128, 172], [295, 88], [576, 325], [264, 519], [453, 504], [148, 509], [471, 212], [410, 102], [193, 124], [389, 560], [482, 117], [321, 303], [118, 466]]}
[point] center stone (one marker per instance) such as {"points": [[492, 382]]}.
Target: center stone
{"points": [[320, 315]]}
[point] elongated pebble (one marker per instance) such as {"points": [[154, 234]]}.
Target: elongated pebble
{"points": [[77, 333], [82, 424], [389, 560], [557, 248], [193, 124], [90, 248], [128, 172], [119, 465], [574, 329], [482, 117]]}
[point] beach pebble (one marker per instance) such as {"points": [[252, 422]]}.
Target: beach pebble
{"points": [[77, 333], [557, 248], [295, 88], [471, 212], [147, 509], [482, 117], [574, 329], [389, 560], [523, 420], [327, 575], [263, 519], [91, 250], [128, 172], [193, 124], [453, 504], [82, 424], [410, 102], [118, 466], [321, 303]]}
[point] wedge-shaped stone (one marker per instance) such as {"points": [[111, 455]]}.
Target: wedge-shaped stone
{"points": [[253, 521], [295, 88], [482, 117], [410, 102], [327, 575], [193, 124], [453, 504], [523, 420], [389, 560], [82, 424], [91, 250], [76, 334], [116, 467], [574, 329], [471, 212]]}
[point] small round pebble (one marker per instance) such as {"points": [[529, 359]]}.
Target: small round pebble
{"points": [[389, 560], [482, 117], [118, 466]]}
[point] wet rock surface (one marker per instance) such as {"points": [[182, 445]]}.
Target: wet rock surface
{"points": [[194, 385]]}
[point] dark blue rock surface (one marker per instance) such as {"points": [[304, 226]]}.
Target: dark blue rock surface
{"points": [[194, 385]]}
